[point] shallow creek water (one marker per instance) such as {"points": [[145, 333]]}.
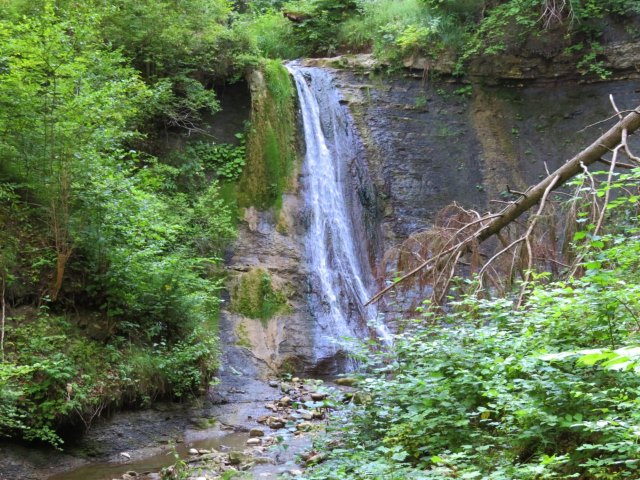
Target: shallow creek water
{"points": [[152, 464]]}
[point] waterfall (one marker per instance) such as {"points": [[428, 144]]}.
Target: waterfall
{"points": [[340, 275]]}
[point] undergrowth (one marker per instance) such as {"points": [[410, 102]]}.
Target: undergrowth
{"points": [[55, 378], [483, 390]]}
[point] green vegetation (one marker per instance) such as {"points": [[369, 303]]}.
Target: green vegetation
{"points": [[109, 239], [271, 143], [254, 296], [459, 30], [550, 390]]}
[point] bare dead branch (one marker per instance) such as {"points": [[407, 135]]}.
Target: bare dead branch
{"points": [[491, 225]]}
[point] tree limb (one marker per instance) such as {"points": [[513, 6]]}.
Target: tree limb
{"points": [[607, 142]]}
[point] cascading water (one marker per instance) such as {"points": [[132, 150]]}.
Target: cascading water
{"points": [[341, 279]]}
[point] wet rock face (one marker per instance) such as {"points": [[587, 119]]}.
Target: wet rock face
{"points": [[434, 142], [281, 342]]}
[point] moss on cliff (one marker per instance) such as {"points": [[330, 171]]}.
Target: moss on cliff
{"points": [[271, 152], [254, 296]]}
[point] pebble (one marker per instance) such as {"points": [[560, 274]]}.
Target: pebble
{"points": [[275, 423], [273, 383], [304, 426], [347, 381], [316, 396], [254, 441], [193, 451], [285, 387], [256, 432]]}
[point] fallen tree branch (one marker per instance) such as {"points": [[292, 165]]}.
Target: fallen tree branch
{"points": [[607, 142]]}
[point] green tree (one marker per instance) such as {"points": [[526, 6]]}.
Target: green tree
{"points": [[65, 102]]}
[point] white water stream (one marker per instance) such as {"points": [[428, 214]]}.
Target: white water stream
{"points": [[336, 246]]}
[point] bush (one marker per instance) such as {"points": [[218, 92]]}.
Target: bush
{"points": [[485, 391], [55, 377]]}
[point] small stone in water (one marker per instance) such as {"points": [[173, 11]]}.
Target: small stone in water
{"points": [[254, 441], [256, 432], [273, 383], [125, 455], [193, 451], [316, 396]]}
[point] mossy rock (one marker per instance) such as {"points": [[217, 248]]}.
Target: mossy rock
{"points": [[271, 139], [254, 296], [243, 336]]}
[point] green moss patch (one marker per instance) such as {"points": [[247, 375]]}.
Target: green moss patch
{"points": [[254, 296], [271, 151]]}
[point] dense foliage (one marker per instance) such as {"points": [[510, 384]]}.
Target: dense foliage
{"points": [[109, 239], [458, 31], [485, 391]]}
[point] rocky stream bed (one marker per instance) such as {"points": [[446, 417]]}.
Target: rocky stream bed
{"points": [[260, 429]]}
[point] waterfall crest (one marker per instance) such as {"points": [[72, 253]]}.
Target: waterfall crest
{"points": [[336, 246]]}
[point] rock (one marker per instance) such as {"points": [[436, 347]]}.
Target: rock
{"points": [[316, 458], [285, 387], [360, 398], [285, 401], [275, 423], [271, 406], [307, 415], [317, 396], [317, 414], [273, 383], [263, 419], [193, 451], [347, 381], [295, 473], [295, 380], [236, 458], [254, 441], [203, 452], [304, 427], [256, 432], [125, 455]]}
